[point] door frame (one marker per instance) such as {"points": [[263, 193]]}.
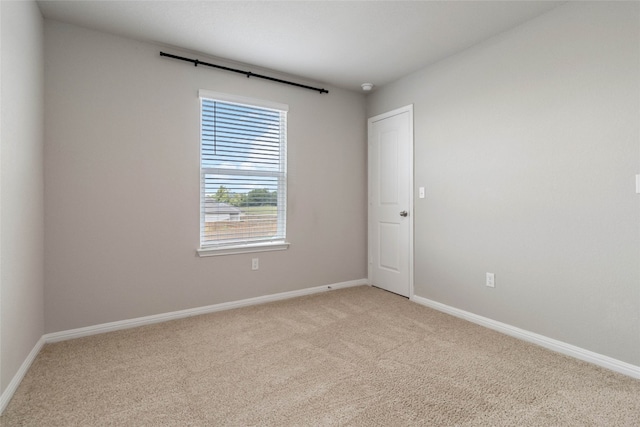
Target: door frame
{"points": [[370, 121]]}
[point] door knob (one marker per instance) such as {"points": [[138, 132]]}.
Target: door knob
{"points": [[403, 213]]}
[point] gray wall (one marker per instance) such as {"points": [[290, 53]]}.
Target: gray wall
{"points": [[21, 186], [527, 146], [122, 184]]}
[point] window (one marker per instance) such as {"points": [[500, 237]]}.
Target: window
{"points": [[243, 164]]}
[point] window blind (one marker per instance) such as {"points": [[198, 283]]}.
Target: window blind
{"points": [[243, 174]]}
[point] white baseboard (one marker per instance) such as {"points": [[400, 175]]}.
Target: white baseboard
{"points": [[546, 342], [157, 318], [6, 396]]}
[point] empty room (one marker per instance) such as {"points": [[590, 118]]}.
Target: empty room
{"points": [[347, 213]]}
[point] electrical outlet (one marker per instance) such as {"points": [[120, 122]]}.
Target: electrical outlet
{"points": [[255, 264], [491, 280]]}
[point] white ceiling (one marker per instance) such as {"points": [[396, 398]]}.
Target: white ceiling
{"points": [[340, 43]]}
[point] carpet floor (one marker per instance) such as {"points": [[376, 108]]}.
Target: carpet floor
{"points": [[351, 357]]}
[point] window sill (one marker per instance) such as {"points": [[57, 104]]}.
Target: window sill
{"points": [[243, 249]]}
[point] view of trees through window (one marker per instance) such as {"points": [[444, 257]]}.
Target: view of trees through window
{"points": [[255, 197]]}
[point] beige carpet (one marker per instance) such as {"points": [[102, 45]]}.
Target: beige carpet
{"points": [[351, 357]]}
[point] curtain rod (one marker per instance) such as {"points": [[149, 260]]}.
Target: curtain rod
{"points": [[246, 73]]}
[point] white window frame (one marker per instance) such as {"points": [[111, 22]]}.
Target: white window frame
{"points": [[248, 247]]}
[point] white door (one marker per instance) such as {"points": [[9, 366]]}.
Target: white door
{"points": [[391, 201]]}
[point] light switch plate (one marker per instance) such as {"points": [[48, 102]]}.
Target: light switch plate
{"points": [[491, 280]]}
